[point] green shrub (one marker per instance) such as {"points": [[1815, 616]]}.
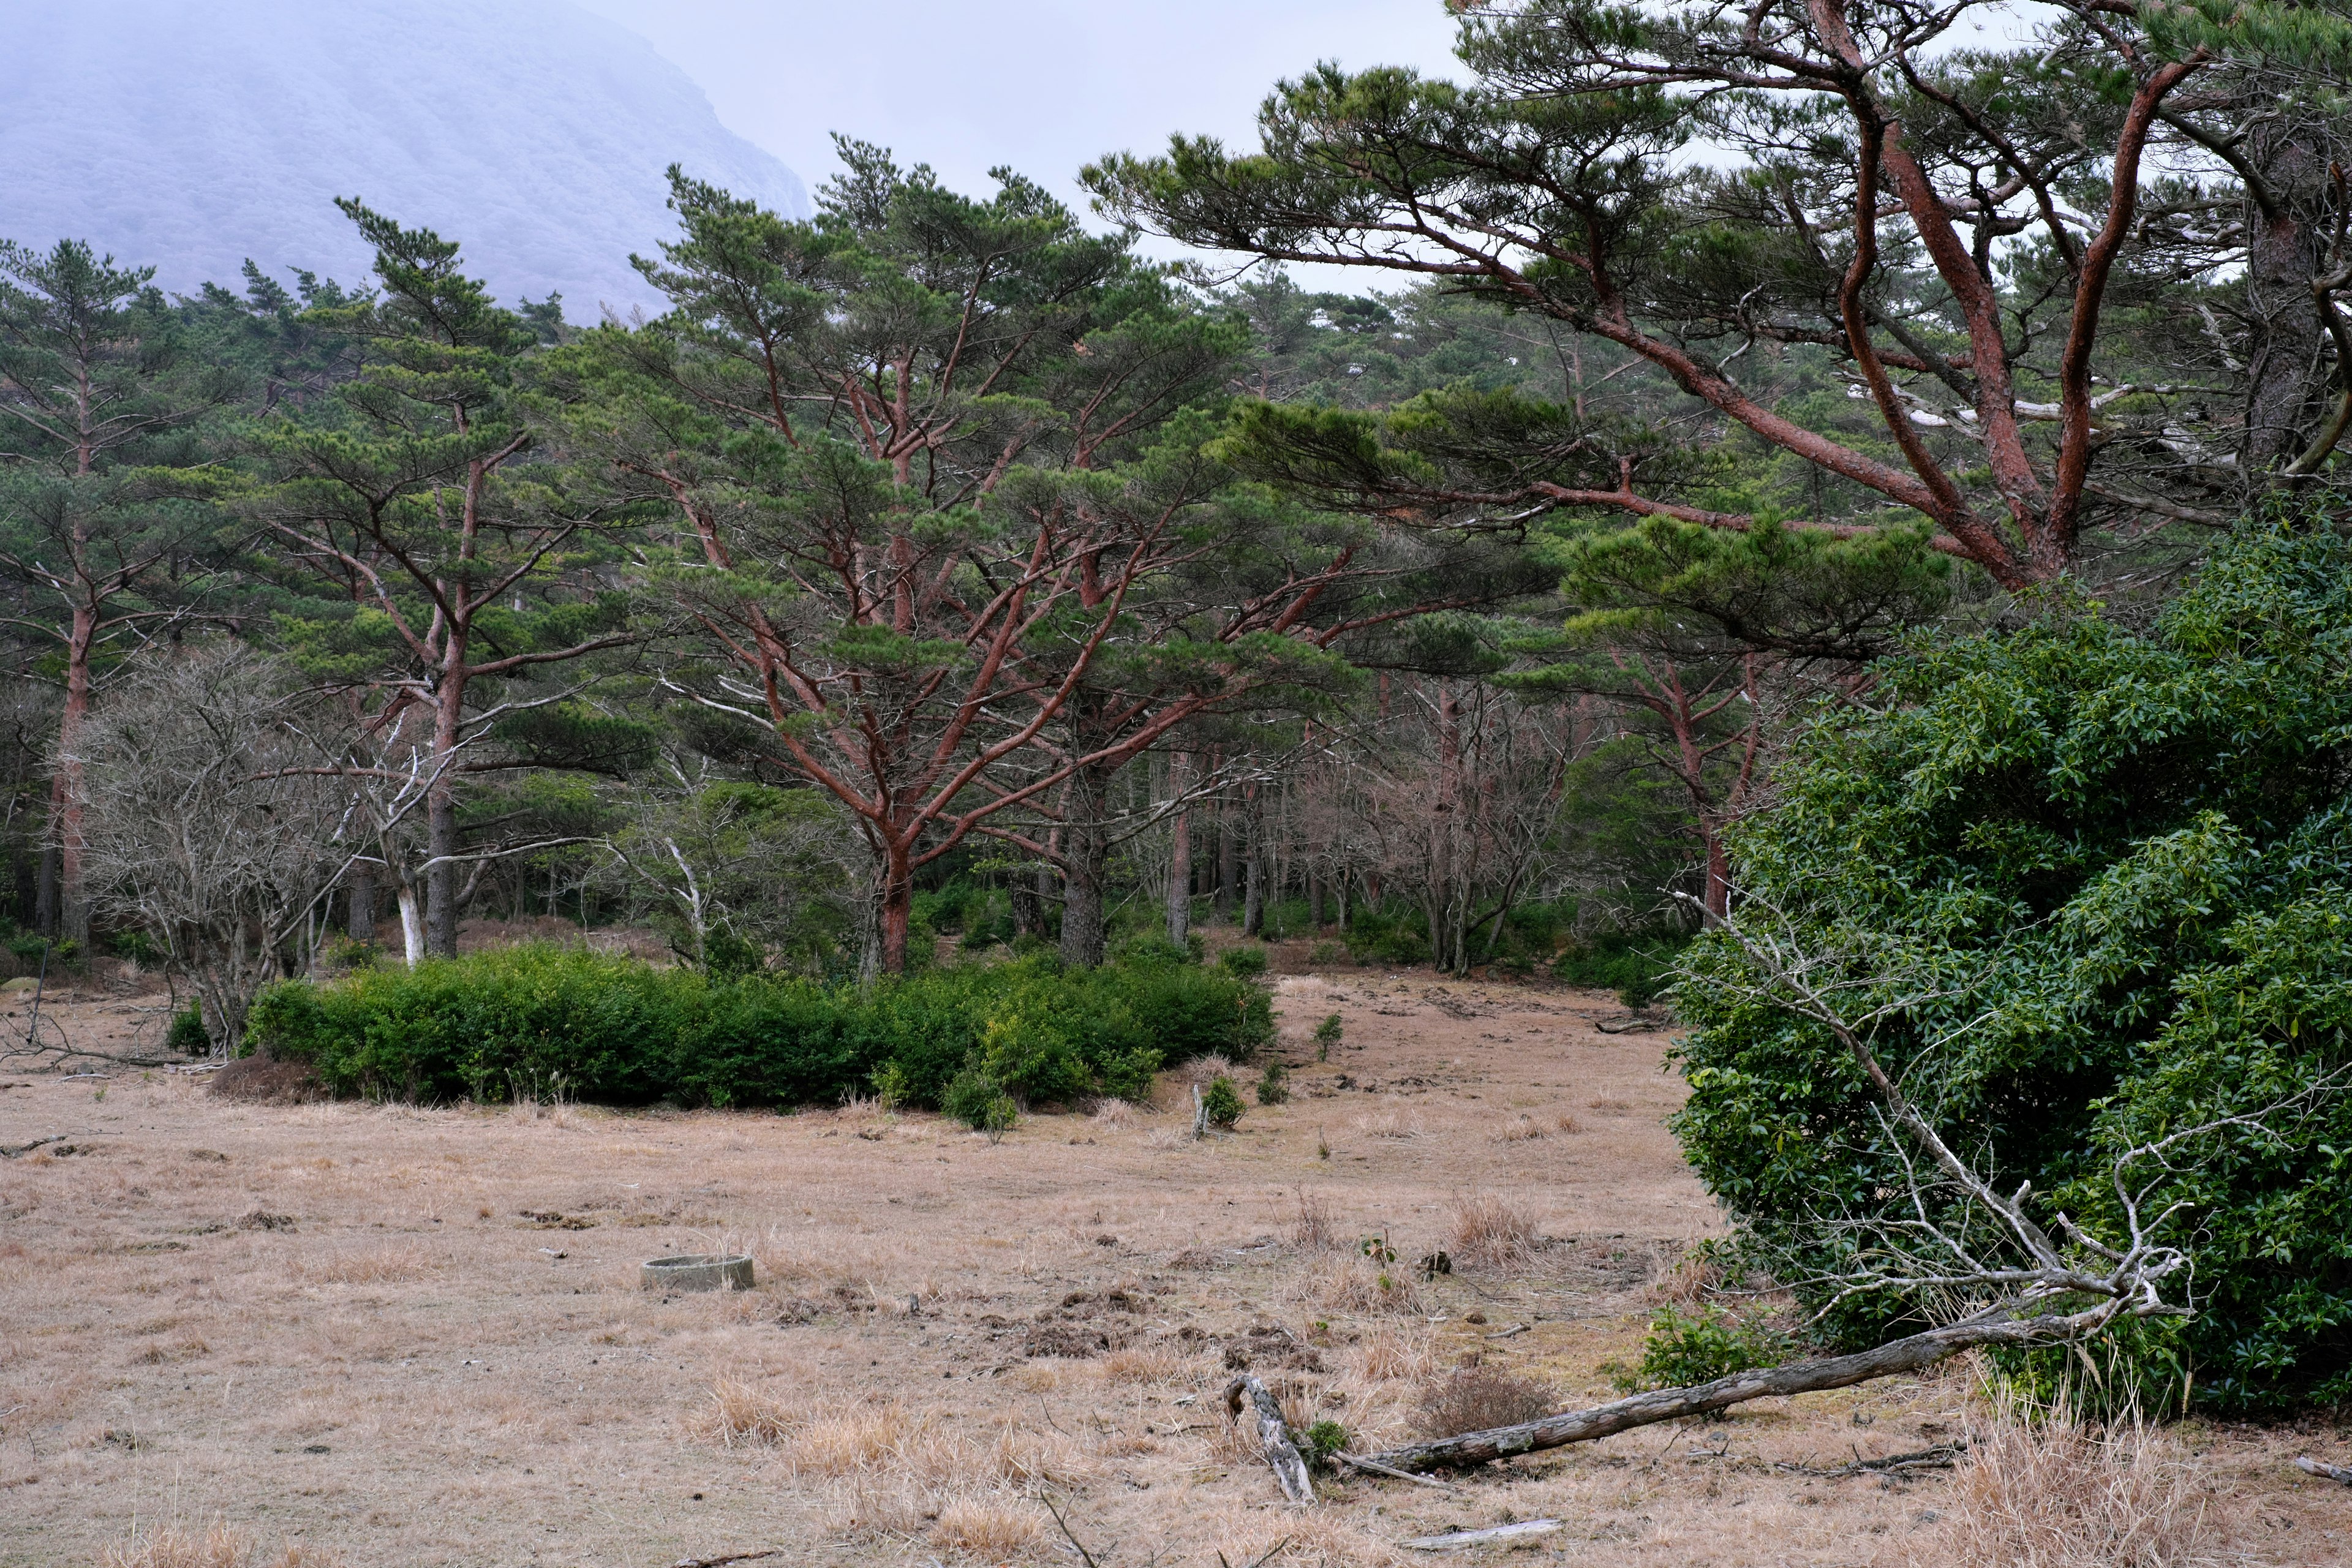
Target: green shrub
{"points": [[1327, 1035], [2106, 879], [1273, 1084], [1638, 963], [1682, 1351], [622, 1032], [1323, 1440], [1223, 1102], [977, 1098], [1245, 961], [1388, 935], [188, 1035]]}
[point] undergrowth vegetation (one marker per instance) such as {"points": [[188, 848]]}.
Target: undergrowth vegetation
{"points": [[551, 1021]]}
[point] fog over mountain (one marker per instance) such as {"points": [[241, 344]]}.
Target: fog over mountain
{"points": [[193, 135]]}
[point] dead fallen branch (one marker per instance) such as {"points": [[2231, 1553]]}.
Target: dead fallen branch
{"points": [[1460, 1539], [2311, 1467], [1355, 1462], [729, 1557], [1282, 1455], [1942, 1456], [1585, 1426], [10, 1151]]}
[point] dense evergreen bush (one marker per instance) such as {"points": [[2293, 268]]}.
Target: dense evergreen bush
{"points": [[614, 1031], [2113, 872], [1637, 962]]}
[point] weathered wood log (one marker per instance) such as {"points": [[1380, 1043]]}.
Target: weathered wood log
{"points": [[1888, 1359], [1464, 1538], [2311, 1467], [1282, 1455], [1373, 1467]]}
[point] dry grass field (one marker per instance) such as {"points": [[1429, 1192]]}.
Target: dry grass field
{"points": [[236, 1334]]}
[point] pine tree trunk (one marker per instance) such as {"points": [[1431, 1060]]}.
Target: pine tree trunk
{"points": [[1085, 858], [72, 905], [1253, 853], [1228, 857], [1179, 855], [2284, 254], [441, 810]]}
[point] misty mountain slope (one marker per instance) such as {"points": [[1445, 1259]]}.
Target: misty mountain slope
{"points": [[190, 136]]}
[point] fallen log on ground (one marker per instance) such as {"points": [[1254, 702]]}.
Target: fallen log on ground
{"points": [[1282, 1455], [1888, 1359], [1460, 1538], [2311, 1467]]}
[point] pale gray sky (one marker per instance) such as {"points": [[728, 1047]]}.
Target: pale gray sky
{"points": [[1042, 85]]}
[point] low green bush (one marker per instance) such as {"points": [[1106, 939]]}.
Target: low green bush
{"points": [[1638, 964], [1392, 935], [618, 1031], [1223, 1102], [1245, 961], [1682, 1351]]}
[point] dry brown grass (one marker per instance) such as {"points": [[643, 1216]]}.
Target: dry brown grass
{"points": [[366, 1266], [988, 1527], [402, 1369], [1143, 1364], [1353, 1285], [219, 1546], [1495, 1230], [2040, 1489], [741, 1414], [1520, 1129], [1396, 1353], [1314, 1227]]}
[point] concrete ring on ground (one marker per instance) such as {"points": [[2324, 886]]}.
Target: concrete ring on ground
{"points": [[696, 1271]]}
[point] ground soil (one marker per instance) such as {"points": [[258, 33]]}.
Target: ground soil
{"points": [[408, 1336]]}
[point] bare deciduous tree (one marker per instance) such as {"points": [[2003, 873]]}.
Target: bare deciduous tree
{"points": [[211, 825]]}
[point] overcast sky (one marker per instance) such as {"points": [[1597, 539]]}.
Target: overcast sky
{"points": [[965, 85]]}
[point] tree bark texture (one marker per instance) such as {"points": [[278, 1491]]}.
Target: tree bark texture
{"points": [[1282, 1455]]}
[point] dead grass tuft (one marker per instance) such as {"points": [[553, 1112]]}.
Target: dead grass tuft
{"points": [[1395, 1352], [221, 1546], [852, 1439], [1314, 1228], [374, 1265], [2040, 1489], [1203, 1070], [1139, 1365], [1114, 1116], [1684, 1280], [1357, 1286], [1474, 1398], [1521, 1129], [986, 1526], [1495, 1230], [741, 1414]]}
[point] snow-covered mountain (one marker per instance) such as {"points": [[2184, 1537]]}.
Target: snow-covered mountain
{"points": [[190, 134]]}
